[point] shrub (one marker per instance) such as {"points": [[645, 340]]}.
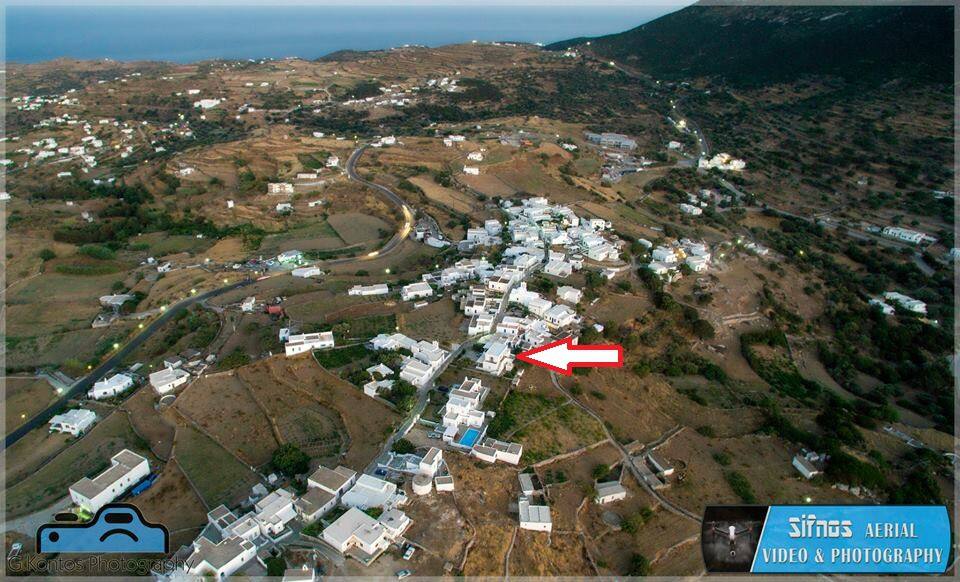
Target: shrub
{"points": [[97, 252], [740, 486], [46, 255]]}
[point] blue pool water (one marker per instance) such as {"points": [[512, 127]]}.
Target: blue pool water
{"points": [[469, 438]]}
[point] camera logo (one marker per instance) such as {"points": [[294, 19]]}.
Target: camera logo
{"points": [[117, 528]]}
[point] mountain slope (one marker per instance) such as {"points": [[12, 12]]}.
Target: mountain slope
{"points": [[754, 45]]}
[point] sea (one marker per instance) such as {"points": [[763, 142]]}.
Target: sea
{"points": [[187, 34]]}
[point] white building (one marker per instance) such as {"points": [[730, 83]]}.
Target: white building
{"points": [[369, 491], [904, 234], [167, 379], [109, 387], [248, 304], [885, 307], [274, 512], [305, 342], [808, 463], [221, 559], [560, 269], [430, 463], [126, 470], [480, 324], [609, 491], [369, 290], [416, 291], [74, 422], [906, 302], [334, 481], [533, 517], [690, 209], [472, 170], [365, 536], [664, 255], [306, 272], [570, 295], [293, 257], [279, 188], [496, 358], [492, 450], [697, 264], [206, 103], [560, 316]]}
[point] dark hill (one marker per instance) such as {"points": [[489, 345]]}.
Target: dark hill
{"points": [[754, 45]]}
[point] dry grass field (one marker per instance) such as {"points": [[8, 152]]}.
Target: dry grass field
{"points": [[364, 421], [222, 405], [87, 456], [25, 397], [216, 474]]}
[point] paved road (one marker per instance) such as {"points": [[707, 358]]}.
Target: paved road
{"points": [[391, 196], [81, 387], [86, 383]]}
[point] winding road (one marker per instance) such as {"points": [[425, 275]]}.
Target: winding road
{"points": [[82, 386]]}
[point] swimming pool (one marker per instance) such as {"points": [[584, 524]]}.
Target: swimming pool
{"points": [[469, 438]]}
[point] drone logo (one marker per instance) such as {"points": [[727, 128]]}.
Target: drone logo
{"points": [[117, 528]]}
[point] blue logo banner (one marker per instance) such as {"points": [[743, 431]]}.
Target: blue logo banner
{"points": [[854, 539]]}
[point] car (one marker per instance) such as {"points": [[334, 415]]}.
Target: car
{"points": [[433, 435], [380, 472], [408, 553], [403, 574], [443, 389]]}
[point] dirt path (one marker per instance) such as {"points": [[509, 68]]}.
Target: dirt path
{"points": [[627, 459]]}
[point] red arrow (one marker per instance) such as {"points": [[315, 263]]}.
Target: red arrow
{"points": [[563, 356]]}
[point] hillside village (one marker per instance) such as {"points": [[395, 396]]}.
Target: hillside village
{"points": [[278, 306]]}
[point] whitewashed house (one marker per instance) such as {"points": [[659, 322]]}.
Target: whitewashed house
{"points": [[570, 295], [279, 188], [306, 342], [496, 358], [110, 387], [369, 290], [533, 517], [126, 470], [74, 422], [416, 291], [363, 536], [165, 380], [221, 559], [369, 491], [609, 491]]}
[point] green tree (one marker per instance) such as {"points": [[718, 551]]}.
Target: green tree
{"points": [[403, 447], [639, 566], [290, 460], [600, 471]]}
